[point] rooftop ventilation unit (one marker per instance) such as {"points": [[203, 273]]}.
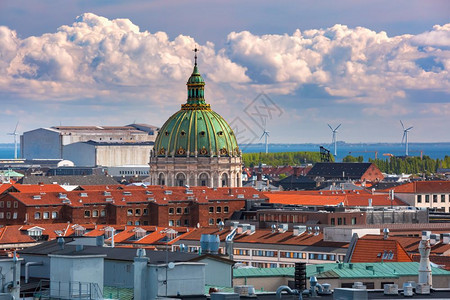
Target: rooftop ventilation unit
{"points": [[298, 230], [274, 228], [446, 238], [309, 230], [316, 230], [282, 228], [434, 239], [386, 233], [426, 235]]}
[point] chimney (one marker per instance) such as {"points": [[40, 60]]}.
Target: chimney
{"points": [[425, 266], [385, 233]]}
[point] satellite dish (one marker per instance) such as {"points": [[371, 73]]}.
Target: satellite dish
{"points": [[171, 265]]}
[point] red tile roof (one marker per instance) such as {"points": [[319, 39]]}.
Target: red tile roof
{"points": [[266, 236], [314, 198], [369, 250], [119, 196], [423, 187], [38, 188]]}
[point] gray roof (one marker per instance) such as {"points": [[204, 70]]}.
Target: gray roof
{"points": [[116, 253], [70, 180]]}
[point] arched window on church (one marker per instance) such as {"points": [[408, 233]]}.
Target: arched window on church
{"points": [[180, 179], [203, 179], [224, 179], [161, 179]]}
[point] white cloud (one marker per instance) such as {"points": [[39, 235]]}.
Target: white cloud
{"points": [[96, 61]]}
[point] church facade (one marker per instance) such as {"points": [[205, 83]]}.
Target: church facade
{"points": [[196, 146]]}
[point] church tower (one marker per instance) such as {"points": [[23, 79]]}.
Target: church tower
{"points": [[196, 146]]}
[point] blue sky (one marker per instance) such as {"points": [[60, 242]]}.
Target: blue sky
{"points": [[365, 64]]}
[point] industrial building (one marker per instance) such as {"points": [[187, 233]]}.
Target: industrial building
{"points": [[91, 145]]}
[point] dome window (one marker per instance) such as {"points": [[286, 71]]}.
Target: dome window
{"points": [[203, 151], [166, 133], [162, 151], [181, 151], [183, 133], [223, 151], [202, 133], [220, 133]]}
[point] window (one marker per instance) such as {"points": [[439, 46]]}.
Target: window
{"points": [[14, 215], [333, 222], [2, 204], [87, 213], [95, 213], [311, 256], [435, 198], [145, 212], [54, 215], [137, 212], [211, 221], [102, 213], [442, 198], [345, 221], [16, 204], [8, 204], [218, 209], [419, 198], [178, 222], [211, 209], [129, 212], [339, 221], [129, 223], [46, 215], [171, 210], [218, 221], [186, 210], [179, 210], [145, 222], [427, 198], [8, 215], [137, 223], [171, 222], [353, 221], [2, 215], [225, 209], [37, 215], [186, 222]]}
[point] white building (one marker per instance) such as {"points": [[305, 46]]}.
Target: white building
{"points": [[104, 145]]}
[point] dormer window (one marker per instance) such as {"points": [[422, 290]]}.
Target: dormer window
{"points": [[166, 133]]}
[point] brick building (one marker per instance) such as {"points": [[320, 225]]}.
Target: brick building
{"points": [[154, 205], [346, 171]]}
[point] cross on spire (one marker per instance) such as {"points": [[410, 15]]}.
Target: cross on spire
{"points": [[195, 55]]}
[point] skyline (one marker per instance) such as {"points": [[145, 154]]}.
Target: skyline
{"points": [[314, 63]]}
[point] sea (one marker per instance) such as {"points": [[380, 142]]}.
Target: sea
{"points": [[366, 150]]}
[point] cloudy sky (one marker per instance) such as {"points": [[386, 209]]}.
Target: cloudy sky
{"points": [[297, 64]]}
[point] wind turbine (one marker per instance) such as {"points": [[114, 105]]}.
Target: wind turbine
{"points": [[266, 138], [405, 137], [334, 137], [15, 134]]}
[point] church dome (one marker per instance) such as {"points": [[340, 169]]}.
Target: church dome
{"points": [[196, 130]]}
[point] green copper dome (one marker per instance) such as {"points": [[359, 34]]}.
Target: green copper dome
{"points": [[196, 130]]}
